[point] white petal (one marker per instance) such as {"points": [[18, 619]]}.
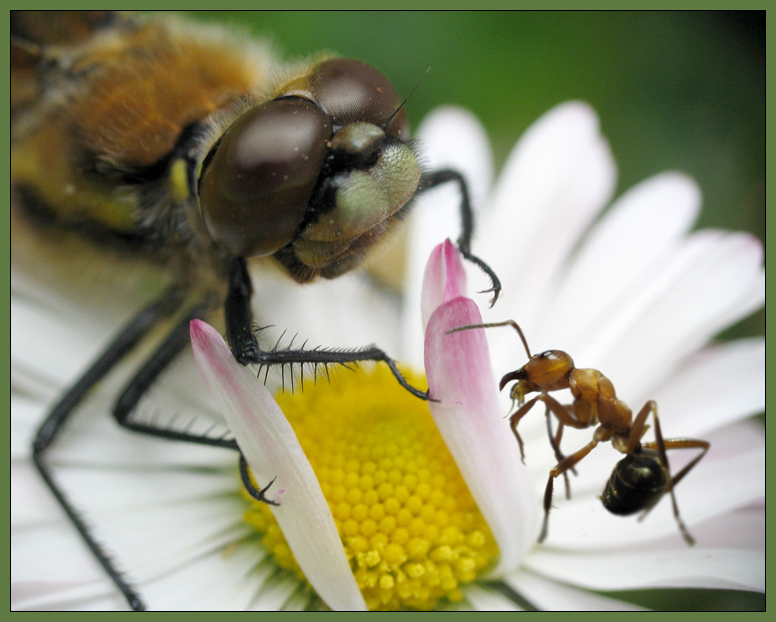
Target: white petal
{"points": [[150, 490], [26, 416], [715, 279], [223, 579], [272, 450], [742, 529], [551, 595], [459, 374], [716, 386], [275, 593], [696, 567], [65, 596], [182, 513], [558, 177], [31, 502], [39, 345], [487, 599], [454, 138], [47, 330], [51, 554], [152, 542], [298, 601], [95, 439], [620, 251]]}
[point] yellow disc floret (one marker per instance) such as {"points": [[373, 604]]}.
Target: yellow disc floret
{"points": [[409, 524]]}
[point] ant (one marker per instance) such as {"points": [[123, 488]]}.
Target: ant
{"points": [[642, 477]]}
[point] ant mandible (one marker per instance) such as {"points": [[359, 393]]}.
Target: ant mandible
{"points": [[642, 477]]}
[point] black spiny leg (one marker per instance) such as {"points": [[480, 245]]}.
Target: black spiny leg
{"points": [[146, 376], [55, 422], [174, 343], [442, 176], [239, 316], [245, 476], [245, 345]]}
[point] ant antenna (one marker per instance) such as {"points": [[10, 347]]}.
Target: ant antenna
{"points": [[406, 99], [511, 323]]}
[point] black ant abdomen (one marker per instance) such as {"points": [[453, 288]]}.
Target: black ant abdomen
{"points": [[636, 483]]}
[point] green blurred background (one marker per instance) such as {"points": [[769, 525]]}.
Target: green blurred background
{"points": [[674, 90]]}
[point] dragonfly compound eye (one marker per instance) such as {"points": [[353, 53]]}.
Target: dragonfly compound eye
{"points": [[256, 182], [351, 91]]}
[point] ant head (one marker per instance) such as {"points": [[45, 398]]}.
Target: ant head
{"points": [[548, 371]]}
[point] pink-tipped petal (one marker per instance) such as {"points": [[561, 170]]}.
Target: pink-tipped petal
{"points": [[443, 280], [469, 418], [272, 450], [449, 138]]}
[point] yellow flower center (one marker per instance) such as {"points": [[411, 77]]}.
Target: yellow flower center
{"points": [[410, 527]]}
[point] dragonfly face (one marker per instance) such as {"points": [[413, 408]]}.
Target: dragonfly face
{"points": [[315, 175]]}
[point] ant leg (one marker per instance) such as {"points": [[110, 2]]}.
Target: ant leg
{"points": [[555, 443], [638, 427], [662, 445], [55, 422], [245, 345], [566, 417], [515, 418], [560, 468], [684, 443], [442, 176], [565, 414]]}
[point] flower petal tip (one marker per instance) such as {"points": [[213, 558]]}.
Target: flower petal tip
{"points": [[203, 336], [577, 109], [196, 330], [444, 279]]}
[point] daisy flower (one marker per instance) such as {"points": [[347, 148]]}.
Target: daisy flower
{"points": [[433, 505]]}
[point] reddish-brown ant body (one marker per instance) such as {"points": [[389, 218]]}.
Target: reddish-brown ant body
{"points": [[642, 477]]}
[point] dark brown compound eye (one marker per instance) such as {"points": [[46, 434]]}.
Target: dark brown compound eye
{"points": [[351, 91], [256, 183]]}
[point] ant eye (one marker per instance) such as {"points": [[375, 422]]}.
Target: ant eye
{"points": [[257, 181]]}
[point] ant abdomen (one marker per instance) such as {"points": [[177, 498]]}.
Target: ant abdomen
{"points": [[636, 483]]}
